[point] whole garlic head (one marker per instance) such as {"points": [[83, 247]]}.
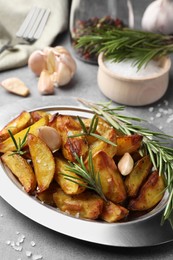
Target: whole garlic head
{"points": [[158, 17], [58, 65]]}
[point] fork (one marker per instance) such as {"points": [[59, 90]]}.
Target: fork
{"points": [[31, 28]]}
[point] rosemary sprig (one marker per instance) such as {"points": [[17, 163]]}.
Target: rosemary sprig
{"points": [[153, 143], [20, 144], [119, 44], [90, 177], [91, 130]]}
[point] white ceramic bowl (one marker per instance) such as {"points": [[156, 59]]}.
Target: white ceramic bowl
{"points": [[133, 91]]}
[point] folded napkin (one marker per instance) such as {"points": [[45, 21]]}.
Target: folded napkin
{"points": [[13, 13]]}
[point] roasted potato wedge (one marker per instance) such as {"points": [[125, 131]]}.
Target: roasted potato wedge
{"points": [[111, 180], [137, 176], [66, 126], [38, 114], [43, 161], [128, 143], [113, 212], [8, 144], [67, 186], [47, 195], [16, 125], [100, 145], [150, 194], [85, 205], [21, 169]]}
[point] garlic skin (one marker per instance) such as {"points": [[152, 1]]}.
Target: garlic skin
{"points": [[45, 83], [126, 164], [51, 137], [158, 17]]}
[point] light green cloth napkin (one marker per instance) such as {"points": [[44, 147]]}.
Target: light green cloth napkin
{"points": [[13, 13]]}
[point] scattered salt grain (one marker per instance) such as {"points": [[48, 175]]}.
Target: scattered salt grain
{"points": [[127, 69], [158, 115], [1, 215], [33, 243], [28, 253], [8, 242], [37, 257], [151, 109]]}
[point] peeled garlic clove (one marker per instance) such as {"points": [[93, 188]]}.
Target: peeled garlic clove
{"points": [[51, 61], [50, 136], [158, 17], [45, 83], [36, 62], [15, 86], [63, 74], [69, 62], [125, 165]]}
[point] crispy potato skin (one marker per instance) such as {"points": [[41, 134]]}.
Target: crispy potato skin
{"points": [[21, 169], [67, 186], [128, 143], [86, 205], [43, 161], [38, 114], [66, 125], [151, 193], [100, 145], [138, 175], [8, 144], [47, 195], [113, 212], [111, 180], [16, 125]]}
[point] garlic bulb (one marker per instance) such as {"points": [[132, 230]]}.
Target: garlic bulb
{"points": [[57, 65], [158, 17]]}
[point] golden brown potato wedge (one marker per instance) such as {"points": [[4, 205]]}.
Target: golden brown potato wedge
{"points": [[47, 195], [8, 144], [67, 186], [150, 194], [137, 176], [111, 180], [113, 212], [66, 126], [128, 143], [43, 161], [38, 114], [85, 205], [16, 125], [21, 169], [100, 145]]}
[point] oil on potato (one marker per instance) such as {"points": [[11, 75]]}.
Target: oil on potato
{"points": [[43, 161], [21, 169]]}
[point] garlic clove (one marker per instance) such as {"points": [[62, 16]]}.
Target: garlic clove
{"points": [[45, 83], [126, 164], [36, 62], [15, 86], [51, 61], [69, 62], [63, 74], [60, 50], [51, 137]]}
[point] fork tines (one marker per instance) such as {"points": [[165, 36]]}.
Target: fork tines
{"points": [[33, 25]]}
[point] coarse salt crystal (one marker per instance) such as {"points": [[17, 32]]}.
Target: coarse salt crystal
{"points": [[37, 257], [33, 243], [127, 69], [28, 253]]}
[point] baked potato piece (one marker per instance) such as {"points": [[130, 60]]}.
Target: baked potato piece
{"points": [[67, 186], [38, 114], [150, 194], [21, 169], [113, 212], [16, 125], [128, 144], [100, 145], [43, 161], [85, 205], [110, 178], [138, 175], [66, 125], [47, 195], [8, 144]]}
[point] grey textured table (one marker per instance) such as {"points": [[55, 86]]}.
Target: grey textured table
{"points": [[42, 242]]}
